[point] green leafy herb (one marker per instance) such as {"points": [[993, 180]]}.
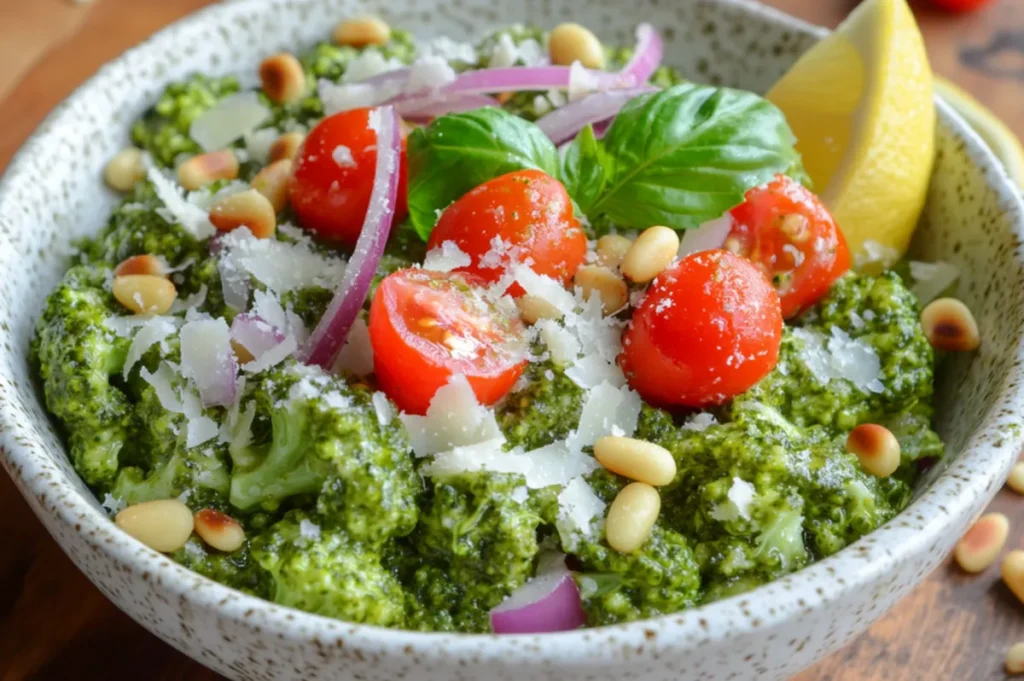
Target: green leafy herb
{"points": [[582, 169], [685, 155], [458, 152]]}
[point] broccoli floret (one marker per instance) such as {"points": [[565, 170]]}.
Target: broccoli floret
{"points": [[878, 311], [328, 572], [314, 434], [913, 430], [660, 577], [164, 129], [237, 569], [484, 539], [79, 359], [544, 411]]}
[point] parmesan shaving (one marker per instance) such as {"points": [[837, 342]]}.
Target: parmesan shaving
{"points": [[578, 509], [446, 258], [154, 330], [454, 419], [228, 120], [177, 210], [356, 355]]}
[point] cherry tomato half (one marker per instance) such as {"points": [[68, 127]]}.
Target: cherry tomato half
{"points": [[523, 216], [333, 176], [790, 235], [426, 326], [708, 329]]}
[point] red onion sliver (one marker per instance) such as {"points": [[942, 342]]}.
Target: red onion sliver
{"points": [[548, 602], [646, 55], [255, 334], [427, 106], [329, 335], [563, 123]]}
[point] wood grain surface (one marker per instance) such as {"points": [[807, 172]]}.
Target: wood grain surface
{"points": [[55, 625]]}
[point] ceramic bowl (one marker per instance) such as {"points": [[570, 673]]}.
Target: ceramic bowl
{"points": [[52, 192]]}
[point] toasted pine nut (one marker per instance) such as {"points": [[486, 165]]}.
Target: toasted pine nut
{"points": [[1013, 573], [1015, 659], [652, 252], [163, 525], [950, 326], [876, 447], [636, 459], [611, 249], [361, 32], [571, 42], [981, 544], [286, 146], [250, 209], [141, 264], [282, 77], [273, 182], [1016, 479], [796, 227], [125, 169], [606, 284], [242, 353], [631, 517], [144, 293], [205, 168], [532, 309], [219, 530]]}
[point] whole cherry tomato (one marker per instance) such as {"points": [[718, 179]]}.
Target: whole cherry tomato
{"points": [[708, 329]]}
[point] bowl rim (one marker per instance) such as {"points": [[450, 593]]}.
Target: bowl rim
{"points": [[35, 477]]}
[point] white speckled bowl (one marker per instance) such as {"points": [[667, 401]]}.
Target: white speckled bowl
{"points": [[53, 192]]}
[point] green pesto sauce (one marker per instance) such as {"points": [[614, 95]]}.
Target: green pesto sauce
{"points": [[339, 521]]}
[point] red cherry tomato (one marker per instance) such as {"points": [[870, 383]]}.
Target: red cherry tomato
{"points": [[961, 5], [426, 326], [530, 213], [790, 235], [333, 176], [708, 329]]}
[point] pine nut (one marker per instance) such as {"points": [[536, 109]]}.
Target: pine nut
{"points": [[532, 309], [125, 169], [606, 284], [631, 517], [1015, 659], [981, 544], [164, 525], [876, 447], [282, 77], [611, 249], [636, 459], [249, 209], [1013, 573], [205, 168], [361, 32], [1016, 479], [144, 293], [286, 146], [950, 326], [273, 183], [571, 42], [652, 252], [141, 264], [219, 530]]}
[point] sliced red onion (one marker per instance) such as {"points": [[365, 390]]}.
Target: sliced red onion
{"points": [[707, 237], [329, 335], [548, 602], [255, 334], [646, 55], [427, 106], [563, 123]]}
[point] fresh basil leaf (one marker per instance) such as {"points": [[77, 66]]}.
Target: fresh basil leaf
{"points": [[458, 152], [687, 154], [582, 169]]}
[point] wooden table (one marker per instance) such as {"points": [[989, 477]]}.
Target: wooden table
{"points": [[55, 625]]}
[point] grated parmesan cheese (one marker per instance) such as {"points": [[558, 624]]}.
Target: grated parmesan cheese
{"points": [[177, 210], [154, 330], [356, 355], [449, 50], [561, 343], [544, 287], [206, 355], [606, 407], [700, 421], [578, 509], [228, 120], [454, 419], [429, 73], [309, 530], [840, 356], [342, 155], [446, 258], [278, 265], [581, 82], [382, 405], [740, 496]]}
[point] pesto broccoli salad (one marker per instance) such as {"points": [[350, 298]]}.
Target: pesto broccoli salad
{"points": [[516, 336]]}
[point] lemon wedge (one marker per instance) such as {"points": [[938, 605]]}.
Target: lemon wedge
{"points": [[997, 136], [860, 104]]}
